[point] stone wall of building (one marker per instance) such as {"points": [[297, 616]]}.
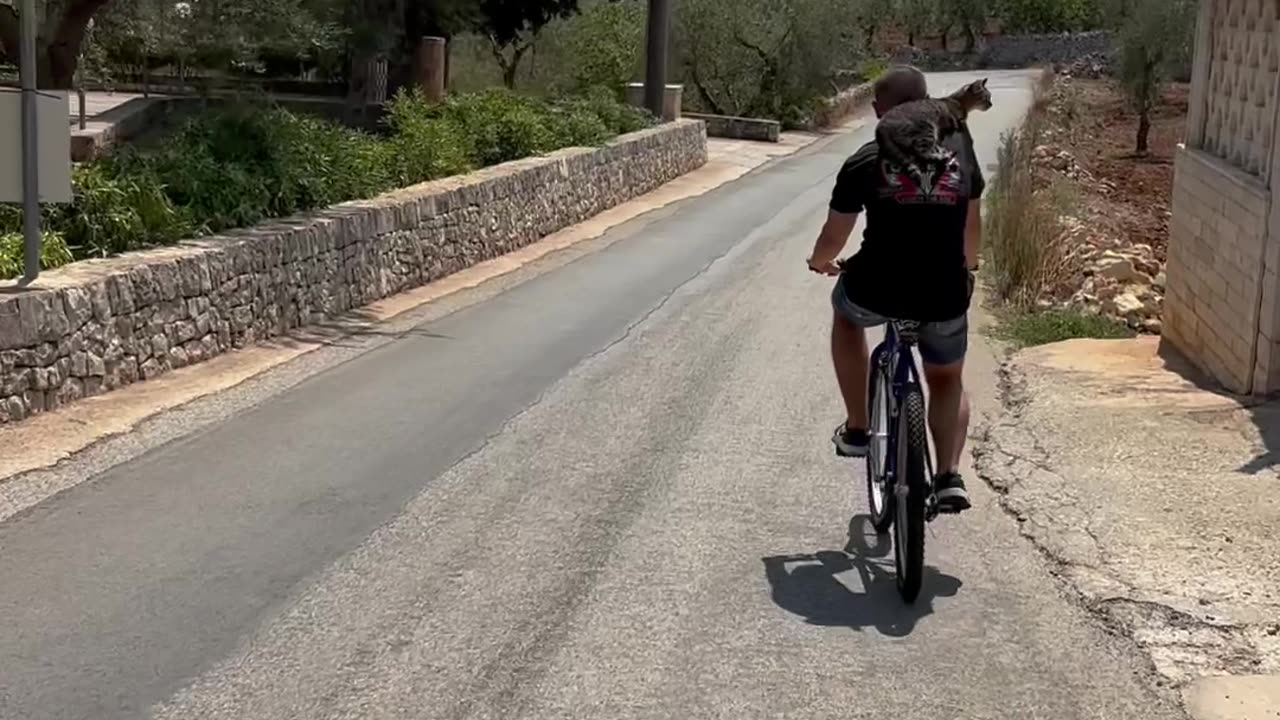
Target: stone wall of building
{"points": [[98, 325], [1214, 273], [1222, 305]]}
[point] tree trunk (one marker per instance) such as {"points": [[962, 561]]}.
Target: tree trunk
{"points": [[970, 39], [58, 47], [510, 66], [1144, 132], [9, 33]]}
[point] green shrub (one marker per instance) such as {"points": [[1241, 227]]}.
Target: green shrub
{"points": [[10, 218], [500, 124], [425, 146], [53, 253], [872, 68], [113, 213], [576, 123], [1025, 329], [619, 117], [244, 164]]}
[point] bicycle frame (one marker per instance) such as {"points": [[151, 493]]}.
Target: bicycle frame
{"points": [[895, 356]]}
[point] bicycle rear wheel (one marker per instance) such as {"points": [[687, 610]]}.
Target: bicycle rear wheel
{"points": [[880, 498], [909, 520]]}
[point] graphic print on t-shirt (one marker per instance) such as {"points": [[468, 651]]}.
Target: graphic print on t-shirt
{"points": [[899, 186]]}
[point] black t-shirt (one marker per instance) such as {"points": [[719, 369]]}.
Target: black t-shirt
{"points": [[911, 264]]}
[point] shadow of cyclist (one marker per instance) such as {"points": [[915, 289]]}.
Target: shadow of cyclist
{"points": [[807, 585]]}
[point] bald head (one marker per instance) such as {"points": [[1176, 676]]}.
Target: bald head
{"points": [[897, 85]]}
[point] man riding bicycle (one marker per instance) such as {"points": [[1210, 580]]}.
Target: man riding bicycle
{"points": [[919, 252]]}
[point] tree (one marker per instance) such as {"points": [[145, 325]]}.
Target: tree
{"points": [[512, 27], [763, 58], [1155, 37], [1046, 16], [971, 17], [916, 17], [871, 16], [58, 40], [145, 33], [606, 45]]}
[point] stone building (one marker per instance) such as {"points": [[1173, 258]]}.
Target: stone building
{"points": [[1222, 304]]}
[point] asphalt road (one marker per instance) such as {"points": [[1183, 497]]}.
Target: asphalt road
{"points": [[605, 491]]}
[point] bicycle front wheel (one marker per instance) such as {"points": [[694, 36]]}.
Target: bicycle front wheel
{"points": [[909, 521], [879, 491]]}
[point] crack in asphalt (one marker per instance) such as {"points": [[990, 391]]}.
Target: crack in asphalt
{"points": [[1179, 646]]}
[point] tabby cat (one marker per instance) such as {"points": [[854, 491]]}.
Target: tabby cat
{"points": [[910, 134]]}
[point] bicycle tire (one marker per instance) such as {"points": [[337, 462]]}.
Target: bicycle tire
{"points": [[909, 522], [883, 520]]}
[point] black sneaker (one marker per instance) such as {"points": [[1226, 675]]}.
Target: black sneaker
{"points": [[948, 488], [851, 443]]}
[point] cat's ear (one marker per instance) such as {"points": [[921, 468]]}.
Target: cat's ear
{"points": [[983, 83]]}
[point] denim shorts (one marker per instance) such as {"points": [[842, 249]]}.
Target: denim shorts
{"points": [[941, 343]]}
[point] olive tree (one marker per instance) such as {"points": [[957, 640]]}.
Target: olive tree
{"points": [[763, 58], [916, 17], [1156, 36], [62, 28]]}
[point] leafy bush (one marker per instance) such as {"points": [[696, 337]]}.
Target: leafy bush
{"points": [[576, 124], [498, 125], [53, 253], [619, 118], [501, 125], [425, 147], [114, 212], [244, 164], [1026, 329], [872, 68]]}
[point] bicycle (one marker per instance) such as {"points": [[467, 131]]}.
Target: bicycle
{"points": [[899, 469]]}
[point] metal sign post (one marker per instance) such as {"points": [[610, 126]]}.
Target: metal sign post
{"points": [[30, 145], [655, 78]]}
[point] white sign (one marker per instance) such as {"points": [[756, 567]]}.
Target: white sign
{"points": [[54, 145]]}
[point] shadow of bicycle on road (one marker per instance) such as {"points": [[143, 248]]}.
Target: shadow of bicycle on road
{"points": [[808, 585]]}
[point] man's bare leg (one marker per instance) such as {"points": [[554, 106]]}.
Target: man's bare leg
{"points": [[849, 356], [949, 424]]}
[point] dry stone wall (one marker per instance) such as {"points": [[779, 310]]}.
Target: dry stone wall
{"points": [[99, 325]]}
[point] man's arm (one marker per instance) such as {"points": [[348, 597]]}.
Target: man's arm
{"points": [[973, 234], [831, 241], [973, 222], [848, 199]]}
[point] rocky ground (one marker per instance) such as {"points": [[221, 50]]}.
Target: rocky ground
{"points": [[1144, 487], [1169, 540], [1116, 221]]}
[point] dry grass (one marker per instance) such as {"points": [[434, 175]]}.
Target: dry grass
{"points": [[1025, 249]]}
